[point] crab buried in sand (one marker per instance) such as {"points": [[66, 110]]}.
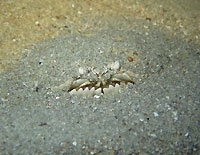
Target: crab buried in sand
{"points": [[106, 82]]}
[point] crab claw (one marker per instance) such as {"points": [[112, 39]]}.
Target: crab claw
{"points": [[122, 77], [79, 84]]}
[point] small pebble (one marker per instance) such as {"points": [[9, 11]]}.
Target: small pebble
{"points": [[40, 63], [37, 23], [73, 102], [130, 59], [100, 51], [74, 143], [187, 134], [156, 114], [83, 147], [141, 119], [96, 96], [153, 135], [167, 97]]}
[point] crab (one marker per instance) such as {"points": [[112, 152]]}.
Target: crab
{"points": [[101, 85]]}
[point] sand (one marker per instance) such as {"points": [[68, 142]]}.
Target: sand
{"points": [[159, 114]]}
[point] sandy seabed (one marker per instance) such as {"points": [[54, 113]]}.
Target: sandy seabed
{"points": [[159, 114]]}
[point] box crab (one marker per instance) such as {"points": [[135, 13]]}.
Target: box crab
{"points": [[98, 84], [101, 85]]}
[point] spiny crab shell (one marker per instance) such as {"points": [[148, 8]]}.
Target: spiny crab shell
{"points": [[101, 85]]}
